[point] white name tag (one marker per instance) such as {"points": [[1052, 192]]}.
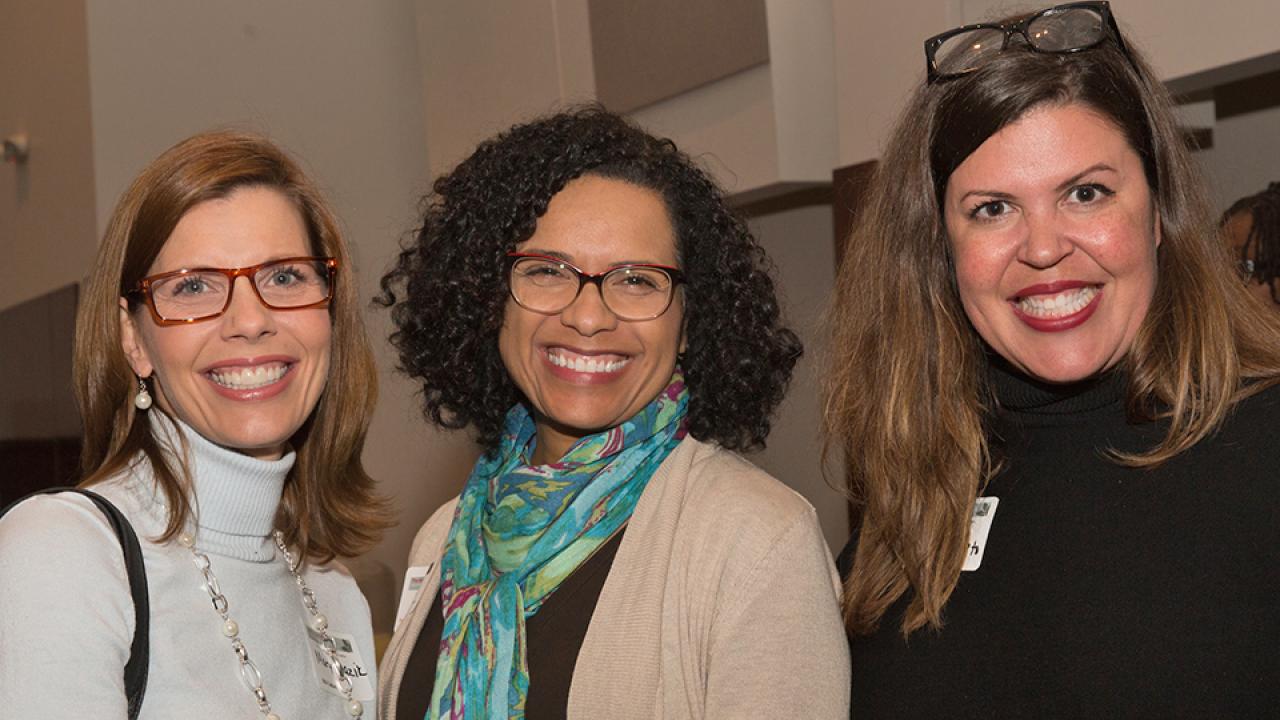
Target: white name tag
{"points": [[353, 665], [412, 585], [984, 511]]}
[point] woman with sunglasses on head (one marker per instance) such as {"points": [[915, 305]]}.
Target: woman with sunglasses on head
{"points": [[1065, 460], [225, 385], [580, 296]]}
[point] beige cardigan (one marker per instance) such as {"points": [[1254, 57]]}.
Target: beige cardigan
{"points": [[721, 603]]}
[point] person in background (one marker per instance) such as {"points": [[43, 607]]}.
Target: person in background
{"points": [[580, 296], [225, 384], [1058, 404], [1252, 228]]}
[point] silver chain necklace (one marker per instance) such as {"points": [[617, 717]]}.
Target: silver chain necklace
{"points": [[231, 629]]}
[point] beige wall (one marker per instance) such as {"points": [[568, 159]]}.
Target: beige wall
{"points": [[799, 241], [486, 65], [1245, 156], [771, 126], [728, 124], [47, 232]]}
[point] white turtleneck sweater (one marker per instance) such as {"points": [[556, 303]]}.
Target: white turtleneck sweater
{"points": [[67, 618]]}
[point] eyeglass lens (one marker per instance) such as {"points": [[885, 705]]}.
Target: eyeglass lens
{"points": [[631, 293], [1055, 31], [201, 293]]}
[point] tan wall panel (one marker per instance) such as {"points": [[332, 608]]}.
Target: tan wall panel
{"points": [[47, 232], [485, 65], [728, 126], [656, 49]]}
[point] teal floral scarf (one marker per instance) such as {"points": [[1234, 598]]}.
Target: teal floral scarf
{"points": [[519, 531]]}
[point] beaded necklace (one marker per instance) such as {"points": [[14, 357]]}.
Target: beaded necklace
{"points": [[231, 629]]}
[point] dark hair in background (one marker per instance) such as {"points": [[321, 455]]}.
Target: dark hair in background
{"points": [[448, 289], [329, 506], [1263, 244], [910, 413]]}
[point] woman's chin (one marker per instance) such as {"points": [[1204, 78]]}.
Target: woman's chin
{"points": [[1061, 373]]}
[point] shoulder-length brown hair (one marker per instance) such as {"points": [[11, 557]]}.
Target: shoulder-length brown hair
{"points": [[907, 396], [329, 507]]}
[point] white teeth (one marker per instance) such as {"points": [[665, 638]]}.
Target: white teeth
{"points": [[248, 378], [586, 365], [1060, 305]]}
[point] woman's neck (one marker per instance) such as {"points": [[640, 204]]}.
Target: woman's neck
{"points": [[551, 443], [235, 497]]}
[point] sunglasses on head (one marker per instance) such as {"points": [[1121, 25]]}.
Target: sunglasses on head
{"points": [[1067, 28]]}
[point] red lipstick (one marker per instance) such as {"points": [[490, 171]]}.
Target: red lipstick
{"points": [[1060, 323]]}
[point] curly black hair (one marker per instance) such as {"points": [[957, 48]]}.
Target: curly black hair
{"points": [[448, 289], [1263, 244]]}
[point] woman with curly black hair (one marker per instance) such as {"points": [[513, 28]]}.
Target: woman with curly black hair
{"points": [[580, 296]]}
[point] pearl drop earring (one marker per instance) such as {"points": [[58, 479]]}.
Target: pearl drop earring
{"points": [[142, 400]]}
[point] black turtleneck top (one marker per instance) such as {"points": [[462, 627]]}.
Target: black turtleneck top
{"points": [[1103, 591]]}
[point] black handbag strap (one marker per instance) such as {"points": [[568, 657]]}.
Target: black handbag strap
{"points": [[135, 671]]}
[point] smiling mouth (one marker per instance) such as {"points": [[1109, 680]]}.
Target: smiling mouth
{"points": [[249, 378], [1058, 305], [586, 363]]}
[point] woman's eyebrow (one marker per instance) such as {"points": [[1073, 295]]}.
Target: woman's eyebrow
{"points": [[548, 253], [1099, 167], [997, 194], [569, 259]]}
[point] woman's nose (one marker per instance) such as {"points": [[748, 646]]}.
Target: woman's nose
{"points": [[1046, 242], [588, 314], [246, 316]]}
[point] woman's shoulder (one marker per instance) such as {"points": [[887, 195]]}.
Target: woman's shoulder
{"points": [[723, 483], [1252, 424], [727, 510], [71, 527], [732, 521], [54, 523], [66, 600], [59, 551]]}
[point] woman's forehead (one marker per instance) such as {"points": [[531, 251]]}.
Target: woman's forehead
{"points": [[596, 222]]}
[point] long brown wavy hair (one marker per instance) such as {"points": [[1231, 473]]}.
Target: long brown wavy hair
{"points": [[329, 506], [907, 397]]}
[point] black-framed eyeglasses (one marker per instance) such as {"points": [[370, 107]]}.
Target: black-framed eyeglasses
{"points": [[1067, 28], [194, 294], [547, 285]]}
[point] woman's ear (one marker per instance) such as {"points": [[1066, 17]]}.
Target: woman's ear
{"points": [[131, 343]]}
